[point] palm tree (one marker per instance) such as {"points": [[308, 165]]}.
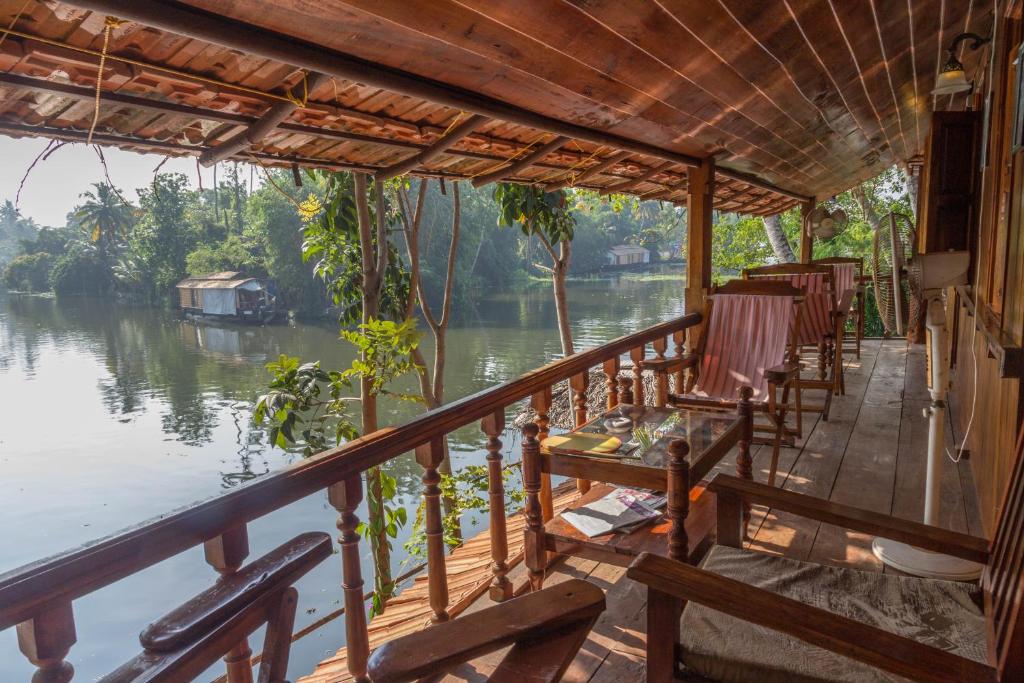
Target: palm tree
{"points": [[104, 216]]}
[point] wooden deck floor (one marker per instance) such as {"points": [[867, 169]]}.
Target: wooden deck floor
{"points": [[870, 453]]}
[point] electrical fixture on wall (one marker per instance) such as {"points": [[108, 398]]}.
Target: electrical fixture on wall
{"points": [[952, 79]]}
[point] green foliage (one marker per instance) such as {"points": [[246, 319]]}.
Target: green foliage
{"points": [[234, 253], [164, 235], [80, 272], [738, 242], [535, 211], [14, 228], [464, 491], [29, 272], [386, 347], [103, 216], [382, 527], [332, 243]]}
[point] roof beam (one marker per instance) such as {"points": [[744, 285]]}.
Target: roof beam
{"points": [[261, 128], [603, 165], [757, 182], [220, 30], [636, 182], [439, 147], [516, 166]]}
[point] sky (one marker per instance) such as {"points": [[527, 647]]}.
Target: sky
{"points": [[53, 187]]}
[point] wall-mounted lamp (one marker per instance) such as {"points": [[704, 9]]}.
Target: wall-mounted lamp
{"points": [[952, 79]]}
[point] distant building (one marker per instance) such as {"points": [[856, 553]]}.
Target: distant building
{"points": [[627, 255], [229, 295]]}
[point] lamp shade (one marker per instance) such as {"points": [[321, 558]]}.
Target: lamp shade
{"points": [[952, 78]]}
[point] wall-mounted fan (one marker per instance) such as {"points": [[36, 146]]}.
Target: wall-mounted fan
{"points": [[825, 224]]}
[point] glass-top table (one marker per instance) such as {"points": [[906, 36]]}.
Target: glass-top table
{"points": [[642, 458]]}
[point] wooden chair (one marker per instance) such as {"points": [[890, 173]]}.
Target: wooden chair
{"points": [[848, 274], [745, 608], [820, 318], [746, 340], [188, 640], [545, 629]]}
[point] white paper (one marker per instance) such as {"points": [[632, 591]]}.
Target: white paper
{"points": [[619, 509]]}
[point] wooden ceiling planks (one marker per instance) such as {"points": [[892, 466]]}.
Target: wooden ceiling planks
{"points": [[812, 95]]}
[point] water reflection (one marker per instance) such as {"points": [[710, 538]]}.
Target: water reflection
{"points": [[121, 414]]}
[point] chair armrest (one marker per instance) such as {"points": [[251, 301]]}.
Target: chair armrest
{"points": [[274, 571], [813, 625], [780, 374], [443, 646], [688, 360], [857, 519]]}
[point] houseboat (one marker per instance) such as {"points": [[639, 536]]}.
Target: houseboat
{"points": [[228, 296]]}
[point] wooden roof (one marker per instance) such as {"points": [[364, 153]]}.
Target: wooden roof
{"points": [[792, 97]]}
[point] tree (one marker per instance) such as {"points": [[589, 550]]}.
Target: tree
{"points": [[777, 238], [29, 272], [164, 234], [543, 215], [13, 229], [104, 216]]}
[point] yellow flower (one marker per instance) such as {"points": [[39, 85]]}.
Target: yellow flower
{"points": [[310, 207]]}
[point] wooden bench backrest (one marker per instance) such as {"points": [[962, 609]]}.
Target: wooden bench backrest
{"points": [[1003, 580], [759, 314], [819, 300]]}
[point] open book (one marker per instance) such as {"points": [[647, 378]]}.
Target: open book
{"points": [[621, 510]]}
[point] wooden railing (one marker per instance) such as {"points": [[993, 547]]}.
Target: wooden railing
{"points": [[38, 597]]}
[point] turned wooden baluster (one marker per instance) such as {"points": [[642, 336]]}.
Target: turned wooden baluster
{"points": [[541, 404], [611, 382], [501, 587], [579, 385], [226, 553], [535, 556], [345, 497], [625, 391], [744, 463], [637, 356], [46, 639], [663, 610], [661, 376], [678, 344], [429, 456]]}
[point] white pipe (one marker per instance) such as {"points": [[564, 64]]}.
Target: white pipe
{"points": [[938, 347]]}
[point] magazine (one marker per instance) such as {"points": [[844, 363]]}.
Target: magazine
{"points": [[621, 510]]}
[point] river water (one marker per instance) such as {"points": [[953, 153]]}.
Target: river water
{"points": [[111, 415]]}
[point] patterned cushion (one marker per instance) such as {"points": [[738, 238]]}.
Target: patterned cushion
{"points": [[942, 614]]}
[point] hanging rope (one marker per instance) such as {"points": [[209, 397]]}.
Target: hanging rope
{"points": [[110, 24], [504, 162], [571, 169]]}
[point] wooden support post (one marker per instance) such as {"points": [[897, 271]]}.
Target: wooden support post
{"points": [[345, 497], [806, 238], [501, 587], [661, 376], [535, 556], [699, 201], [611, 382], [429, 456], [663, 611], [637, 356], [541, 404], [626, 391], [579, 385], [744, 463], [226, 553], [46, 639], [515, 166], [457, 133]]}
